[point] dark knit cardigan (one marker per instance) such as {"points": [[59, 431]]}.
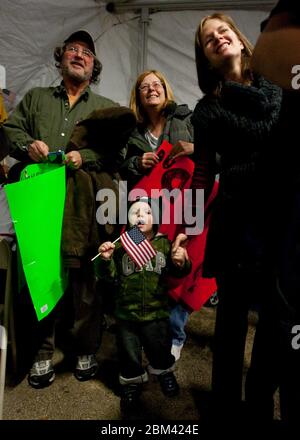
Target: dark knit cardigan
{"points": [[238, 128]]}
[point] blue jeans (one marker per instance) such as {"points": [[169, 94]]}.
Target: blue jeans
{"points": [[178, 319], [153, 336]]}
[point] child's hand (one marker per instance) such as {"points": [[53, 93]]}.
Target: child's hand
{"points": [[106, 250], [180, 256]]}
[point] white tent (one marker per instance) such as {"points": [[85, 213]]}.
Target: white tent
{"points": [[137, 35]]}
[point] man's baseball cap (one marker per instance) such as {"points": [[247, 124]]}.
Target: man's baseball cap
{"points": [[83, 36]]}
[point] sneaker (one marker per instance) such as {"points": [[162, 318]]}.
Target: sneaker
{"points": [[168, 384], [176, 351], [41, 374], [130, 394], [86, 367]]}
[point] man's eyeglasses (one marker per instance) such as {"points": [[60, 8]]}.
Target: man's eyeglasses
{"points": [[146, 86], [85, 53]]}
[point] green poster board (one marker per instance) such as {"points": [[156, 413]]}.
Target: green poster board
{"points": [[36, 205]]}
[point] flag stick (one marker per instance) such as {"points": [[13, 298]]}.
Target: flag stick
{"points": [[98, 255]]}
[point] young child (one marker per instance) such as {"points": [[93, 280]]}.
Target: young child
{"points": [[141, 306]]}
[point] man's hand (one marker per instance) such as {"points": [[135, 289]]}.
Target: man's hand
{"points": [[38, 151], [73, 160], [106, 250]]}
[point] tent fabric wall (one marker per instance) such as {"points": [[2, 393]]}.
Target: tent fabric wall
{"points": [[30, 29]]}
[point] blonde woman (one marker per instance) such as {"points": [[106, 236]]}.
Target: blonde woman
{"points": [[159, 118]]}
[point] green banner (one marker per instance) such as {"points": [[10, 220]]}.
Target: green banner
{"points": [[36, 204]]}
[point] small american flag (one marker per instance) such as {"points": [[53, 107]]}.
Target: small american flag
{"points": [[137, 246]]}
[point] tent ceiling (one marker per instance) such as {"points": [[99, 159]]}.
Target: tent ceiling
{"points": [[125, 43]]}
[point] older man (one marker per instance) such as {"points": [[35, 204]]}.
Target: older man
{"points": [[43, 122]]}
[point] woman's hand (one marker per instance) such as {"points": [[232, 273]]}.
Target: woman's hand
{"points": [[180, 240], [179, 257], [148, 160], [181, 148]]}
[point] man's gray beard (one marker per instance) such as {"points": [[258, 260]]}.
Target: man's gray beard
{"points": [[76, 77]]}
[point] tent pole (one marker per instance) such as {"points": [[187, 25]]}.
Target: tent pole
{"points": [[177, 5], [145, 20]]}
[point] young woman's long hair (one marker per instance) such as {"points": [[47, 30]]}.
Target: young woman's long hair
{"points": [[135, 100], [209, 80]]}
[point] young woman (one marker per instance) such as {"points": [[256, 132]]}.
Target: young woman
{"points": [[234, 126]]}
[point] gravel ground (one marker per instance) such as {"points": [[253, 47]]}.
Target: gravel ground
{"points": [[97, 399]]}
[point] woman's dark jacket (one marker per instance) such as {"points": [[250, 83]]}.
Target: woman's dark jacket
{"points": [[178, 127], [238, 127]]}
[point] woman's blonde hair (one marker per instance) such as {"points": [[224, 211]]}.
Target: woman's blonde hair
{"points": [[135, 100], [209, 80]]}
